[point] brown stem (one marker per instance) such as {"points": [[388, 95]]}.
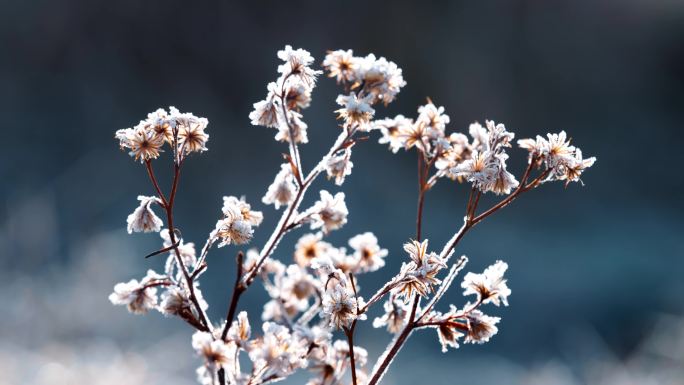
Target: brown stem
{"points": [[168, 207], [349, 332], [150, 173], [422, 173], [238, 289]]}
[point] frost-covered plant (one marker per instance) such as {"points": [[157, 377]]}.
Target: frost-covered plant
{"points": [[318, 294]]}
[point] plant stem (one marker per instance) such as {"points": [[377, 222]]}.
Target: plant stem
{"points": [[168, 207]]}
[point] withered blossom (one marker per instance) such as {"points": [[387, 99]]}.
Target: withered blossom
{"points": [[143, 219], [283, 189], [490, 286], [329, 213]]}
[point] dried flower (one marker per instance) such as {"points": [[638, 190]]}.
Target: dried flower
{"points": [[266, 111], [215, 352], [481, 327], [329, 213], [291, 121], [283, 189], [191, 135], [489, 286], [380, 77], [144, 144], [394, 131], [236, 225], [297, 64], [278, 353], [240, 330], [355, 112], [419, 275], [309, 247], [139, 297], [369, 255], [143, 219], [433, 119], [339, 166], [341, 65], [339, 306], [394, 317]]}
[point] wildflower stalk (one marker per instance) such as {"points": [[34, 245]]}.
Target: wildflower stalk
{"points": [[288, 342], [168, 208]]}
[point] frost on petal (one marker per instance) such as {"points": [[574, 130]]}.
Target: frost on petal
{"points": [[355, 112], [283, 189], [481, 327], [489, 286], [367, 252], [339, 306], [394, 131], [339, 166], [135, 295], [329, 213], [240, 330], [143, 219]]}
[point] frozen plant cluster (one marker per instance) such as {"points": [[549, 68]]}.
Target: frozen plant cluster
{"points": [[316, 299]]}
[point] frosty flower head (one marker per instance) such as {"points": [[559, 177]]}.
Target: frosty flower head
{"points": [[380, 78], [291, 127], [298, 96], [565, 162], [235, 207], [480, 169], [369, 255], [294, 288], [339, 306], [143, 219], [138, 297], [191, 135], [283, 189], [238, 222], [489, 286], [310, 247], [162, 123], [420, 275], [458, 150], [450, 329], [481, 327], [355, 111], [266, 111], [503, 181], [394, 316], [416, 136], [144, 144], [184, 130], [278, 353], [575, 168], [329, 213], [240, 330], [394, 131], [175, 301], [341, 65], [433, 119], [215, 352], [559, 150], [297, 62], [339, 166]]}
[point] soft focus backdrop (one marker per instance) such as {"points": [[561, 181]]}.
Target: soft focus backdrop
{"points": [[596, 271]]}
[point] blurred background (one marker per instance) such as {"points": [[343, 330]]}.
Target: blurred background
{"points": [[596, 271]]}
